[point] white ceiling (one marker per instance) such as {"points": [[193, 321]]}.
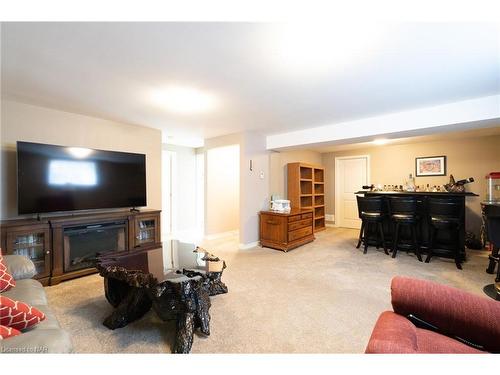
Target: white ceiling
{"points": [[321, 74]]}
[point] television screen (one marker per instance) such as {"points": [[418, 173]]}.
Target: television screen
{"points": [[54, 178]]}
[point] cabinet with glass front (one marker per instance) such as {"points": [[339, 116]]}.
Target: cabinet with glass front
{"points": [[31, 241]]}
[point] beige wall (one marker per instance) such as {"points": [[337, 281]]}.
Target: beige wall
{"points": [[213, 224], [254, 190], [38, 124], [472, 157], [278, 162], [223, 189]]}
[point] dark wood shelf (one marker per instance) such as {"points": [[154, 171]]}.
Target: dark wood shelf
{"points": [[49, 234]]}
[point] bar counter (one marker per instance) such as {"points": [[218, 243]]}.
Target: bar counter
{"points": [[443, 238], [417, 193]]}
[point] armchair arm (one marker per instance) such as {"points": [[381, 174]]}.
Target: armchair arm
{"points": [[454, 312], [20, 267]]}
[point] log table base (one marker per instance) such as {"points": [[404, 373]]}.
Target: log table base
{"points": [[135, 283]]}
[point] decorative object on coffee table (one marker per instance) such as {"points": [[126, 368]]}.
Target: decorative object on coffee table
{"points": [[430, 166], [180, 291]]}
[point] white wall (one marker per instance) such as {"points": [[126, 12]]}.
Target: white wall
{"points": [[223, 189], [254, 186], [23, 122]]}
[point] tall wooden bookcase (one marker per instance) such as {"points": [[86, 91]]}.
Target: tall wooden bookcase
{"points": [[306, 189]]}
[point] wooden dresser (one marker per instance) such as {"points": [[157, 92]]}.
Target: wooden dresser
{"points": [[286, 231]]}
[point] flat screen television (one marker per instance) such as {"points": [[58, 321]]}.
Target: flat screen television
{"points": [[54, 178]]}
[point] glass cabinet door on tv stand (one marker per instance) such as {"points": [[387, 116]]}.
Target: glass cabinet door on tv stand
{"points": [[146, 230], [33, 244]]}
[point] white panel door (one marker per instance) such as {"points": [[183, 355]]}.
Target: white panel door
{"points": [[350, 175]]}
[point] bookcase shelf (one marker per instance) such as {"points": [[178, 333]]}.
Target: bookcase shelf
{"points": [[306, 189]]}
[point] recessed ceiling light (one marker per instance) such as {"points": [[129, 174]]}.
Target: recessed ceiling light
{"points": [[181, 99], [380, 142]]}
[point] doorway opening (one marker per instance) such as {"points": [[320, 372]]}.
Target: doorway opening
{"points": [[182, 201]]}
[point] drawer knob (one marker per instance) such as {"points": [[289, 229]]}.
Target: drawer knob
{"points": [[272, 222]]}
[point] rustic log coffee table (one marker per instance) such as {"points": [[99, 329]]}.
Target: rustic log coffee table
{"points": [[176, 281]]}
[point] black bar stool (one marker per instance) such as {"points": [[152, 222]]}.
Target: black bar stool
{"points": [[492, 215], [371, 212], [445, 214], [403, 212]]}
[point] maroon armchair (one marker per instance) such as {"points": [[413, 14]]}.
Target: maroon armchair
{"points": [[434, 318]]}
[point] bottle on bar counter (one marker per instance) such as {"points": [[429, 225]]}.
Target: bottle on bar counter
{"points": [[410, 185], [465, 181]]}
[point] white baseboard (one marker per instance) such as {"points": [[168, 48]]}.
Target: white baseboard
{"points": [[329, 217], [246, 246], [217, 236], [329, 225]]}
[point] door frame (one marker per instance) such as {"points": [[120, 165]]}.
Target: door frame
{"points": [[169, 193], [337, 165]]}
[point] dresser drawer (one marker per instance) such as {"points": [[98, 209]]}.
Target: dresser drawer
{"points": [[273, 228], [299, 224], [286, 231], [294, 218], [309, 215], [299, 233]]}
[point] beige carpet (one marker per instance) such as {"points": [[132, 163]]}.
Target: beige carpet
{"points": [[323, 297]]}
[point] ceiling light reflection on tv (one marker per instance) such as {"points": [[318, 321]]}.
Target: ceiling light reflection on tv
{"points": [[69, 172]]}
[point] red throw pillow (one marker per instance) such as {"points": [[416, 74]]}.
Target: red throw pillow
{"points": [[18, 315], [6, 279], [6, 332]]}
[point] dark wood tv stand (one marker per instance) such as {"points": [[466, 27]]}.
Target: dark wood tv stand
{"points": [[45, 243]]}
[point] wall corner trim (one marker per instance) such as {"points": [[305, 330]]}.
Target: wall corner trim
{"points": [[250, 245]]}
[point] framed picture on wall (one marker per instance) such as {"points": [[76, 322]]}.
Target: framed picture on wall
{"points": [[430, 166]]}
